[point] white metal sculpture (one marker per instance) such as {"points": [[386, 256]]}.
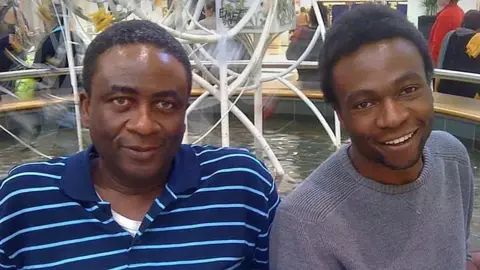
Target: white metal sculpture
{"points": [[255, 23]]}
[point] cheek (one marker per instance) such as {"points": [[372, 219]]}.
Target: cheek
{"points": [[106, 124], [360, 125], [174, 125], [422, 108]]}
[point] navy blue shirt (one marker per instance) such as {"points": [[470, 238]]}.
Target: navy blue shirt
{"points": [[215, 213]]}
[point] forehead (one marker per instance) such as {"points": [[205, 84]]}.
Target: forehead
{"points": [[377, 65], [140, 66]]}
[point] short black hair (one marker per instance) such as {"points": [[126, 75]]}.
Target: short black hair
{"points": [[471, 20], [211, 5], [366, 24], [132, 32]]}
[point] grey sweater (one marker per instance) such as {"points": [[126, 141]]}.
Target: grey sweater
{"points": [[338, 219]]}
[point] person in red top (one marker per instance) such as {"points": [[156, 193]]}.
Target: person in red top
{"points": [[449, 18]]}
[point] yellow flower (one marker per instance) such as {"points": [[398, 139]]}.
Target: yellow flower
{"points": [[44, 12], [101, 19], [473, 46]]}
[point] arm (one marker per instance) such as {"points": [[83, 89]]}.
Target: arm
{"points": [[444, 25], [443, 49], [4, 261], [471, 265], [261, 258], [297, 244]]}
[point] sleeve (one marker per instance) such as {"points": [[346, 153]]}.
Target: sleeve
{"points": [[261, 256], [469, 212], [4, 261], [443, 26], [443, 49], [295, 244], [46, 50]]}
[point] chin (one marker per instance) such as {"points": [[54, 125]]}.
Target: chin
{"points": [[141, 171], [137, 178], [401, 163], [399, 166]]}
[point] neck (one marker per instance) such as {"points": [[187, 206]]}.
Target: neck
{"points": [[381, 173], [108, 179], [131, 198]]}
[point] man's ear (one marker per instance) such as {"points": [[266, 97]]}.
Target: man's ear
{"points": [[85, 109]]}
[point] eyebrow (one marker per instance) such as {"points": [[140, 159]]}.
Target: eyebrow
{"points": [[123, 89], [369, 92], [407, 76], [130, 90], [358, 93]]}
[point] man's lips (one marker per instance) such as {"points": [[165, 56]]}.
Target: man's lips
{"points": [[142, 153], [396, 139], [142, 148]]}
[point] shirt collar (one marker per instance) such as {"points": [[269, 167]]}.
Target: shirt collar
{"points": [[77, 180]]}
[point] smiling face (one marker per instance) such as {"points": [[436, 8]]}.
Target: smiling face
{"points": [[385, 103], [136, 109]]}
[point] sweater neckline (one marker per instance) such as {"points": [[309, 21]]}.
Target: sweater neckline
{"points": [[385, 188]]}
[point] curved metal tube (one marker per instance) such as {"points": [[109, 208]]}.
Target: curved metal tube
{"points": [[247, 123], [213, 37], [319, 31]]}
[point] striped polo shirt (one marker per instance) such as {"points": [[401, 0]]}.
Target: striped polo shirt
{"points": [[215, 213]]}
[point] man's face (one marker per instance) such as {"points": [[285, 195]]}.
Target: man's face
{"points": [[136, 109], [442, 3], [385, 102], [208, 12]]}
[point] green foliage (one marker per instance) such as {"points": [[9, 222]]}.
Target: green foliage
{"points": [[430, 7]]}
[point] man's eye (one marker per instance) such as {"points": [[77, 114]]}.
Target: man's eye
{"points": [[121, 101], [364, 105], [408, 90], [165, 105]]}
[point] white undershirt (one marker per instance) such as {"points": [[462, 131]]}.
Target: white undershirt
{"points": [[129, 225]]}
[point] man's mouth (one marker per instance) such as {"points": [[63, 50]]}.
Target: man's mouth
{"points": [[142, 148], [400, 140], [141, 152]]}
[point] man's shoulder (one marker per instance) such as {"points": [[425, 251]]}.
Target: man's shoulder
{"points": [[227, 157], [455, 12], [445, 146], [226, 162], [326, 188], [33, 175]]}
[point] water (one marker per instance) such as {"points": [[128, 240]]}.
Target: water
{"points": [[300, 147]]}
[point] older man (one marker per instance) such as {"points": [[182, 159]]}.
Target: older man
{"points": [[137, 198]]}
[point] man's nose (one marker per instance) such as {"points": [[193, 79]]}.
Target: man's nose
{"points": [[143, 122], [393, 114]]}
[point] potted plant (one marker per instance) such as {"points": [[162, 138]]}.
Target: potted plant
{"points": [[425, 22]]}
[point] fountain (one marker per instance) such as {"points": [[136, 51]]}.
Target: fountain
{"points": [[251, 25]]}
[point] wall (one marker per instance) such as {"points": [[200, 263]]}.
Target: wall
{"points": [[415, 8], [466, 5]]}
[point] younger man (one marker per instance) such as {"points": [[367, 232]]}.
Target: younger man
{"points": [[399, 196]]}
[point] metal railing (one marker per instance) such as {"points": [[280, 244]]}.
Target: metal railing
{"points": [[28, 73]]}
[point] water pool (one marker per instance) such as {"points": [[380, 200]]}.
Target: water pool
{"points": [[300, 147]]}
